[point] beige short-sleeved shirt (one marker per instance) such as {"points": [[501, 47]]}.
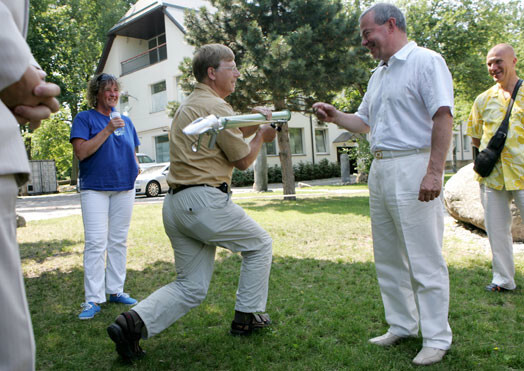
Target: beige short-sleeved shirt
{"points": [[206, 166]]}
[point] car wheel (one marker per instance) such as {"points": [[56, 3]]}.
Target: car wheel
{"points": [[152, 189]]}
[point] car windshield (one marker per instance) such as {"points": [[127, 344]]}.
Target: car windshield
{"points": [[145, 159], [153, 169]]}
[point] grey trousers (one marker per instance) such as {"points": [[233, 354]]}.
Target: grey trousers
{"points": [[197, 220], [17, 344]]}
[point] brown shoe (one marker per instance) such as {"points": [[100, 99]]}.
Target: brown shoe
{"points": [[252, 322], [126, 333]]}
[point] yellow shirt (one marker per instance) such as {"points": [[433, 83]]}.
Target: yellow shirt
{"points": [[206, 166], [485, 118]]}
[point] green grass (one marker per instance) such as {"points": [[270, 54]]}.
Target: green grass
{"points": [[324, 298]]}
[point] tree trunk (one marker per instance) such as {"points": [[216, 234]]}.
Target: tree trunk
{"points": [[288, 178], [260, 172]]}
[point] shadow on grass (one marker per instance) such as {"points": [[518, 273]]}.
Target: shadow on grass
{"points": [[323, 314], [356, 205], [41, 250]]}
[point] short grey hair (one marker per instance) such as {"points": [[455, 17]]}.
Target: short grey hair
{"points": [[383, 12]]}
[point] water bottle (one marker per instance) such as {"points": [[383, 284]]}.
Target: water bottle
{"points": [[120, 131]]}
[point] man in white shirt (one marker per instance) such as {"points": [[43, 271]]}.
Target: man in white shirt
{"points": [[408, 110]]}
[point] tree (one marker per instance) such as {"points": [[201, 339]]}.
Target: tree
{"points": [[463, 32], [67, 37], [291, 53], [51, 141]]}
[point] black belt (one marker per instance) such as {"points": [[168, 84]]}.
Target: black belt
{"points": [[224, 187]]}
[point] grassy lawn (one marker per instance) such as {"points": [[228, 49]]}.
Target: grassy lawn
{"points": [[324, 297]]}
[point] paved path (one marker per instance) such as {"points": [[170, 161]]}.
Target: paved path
{"points": [[64, 204]]}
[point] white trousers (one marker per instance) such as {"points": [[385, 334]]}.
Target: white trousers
{"points": [[107, 216], [17, 345], [197, 220], [498, 220], [407, 243]]}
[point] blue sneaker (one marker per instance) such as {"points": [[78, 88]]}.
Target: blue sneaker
{"points": [[90, 310], [122, 298]]}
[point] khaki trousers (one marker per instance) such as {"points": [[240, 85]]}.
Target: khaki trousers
{"points": [[197, 220], [17, 345]]}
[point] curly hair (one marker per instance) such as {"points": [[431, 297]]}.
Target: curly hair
{"points": [[97, 83], [210, 55]]}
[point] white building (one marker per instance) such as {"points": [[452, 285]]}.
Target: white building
{"points": [[144, 50]]}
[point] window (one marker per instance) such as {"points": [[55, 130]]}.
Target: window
{"points": [[321, 141], [271, 148], [295, 141], [162, 148], [466, 143], [157, 49], [158, 97]]}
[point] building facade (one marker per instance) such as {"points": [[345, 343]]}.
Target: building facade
{"points": [[144, 50]]}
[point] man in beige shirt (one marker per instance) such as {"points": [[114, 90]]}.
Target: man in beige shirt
{"points": [[24, 97], [199, 215]]}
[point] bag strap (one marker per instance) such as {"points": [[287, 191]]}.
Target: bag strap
{"points": [[503, 128]]}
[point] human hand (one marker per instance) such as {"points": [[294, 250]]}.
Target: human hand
{"points": [[324, 112], [264, 111], [116, 122], [430, 187], [267, 132], [35, 114]]}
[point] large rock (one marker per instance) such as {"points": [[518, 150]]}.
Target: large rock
{"points": [[462, 200]]}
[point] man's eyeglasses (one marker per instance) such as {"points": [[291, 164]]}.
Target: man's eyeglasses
{"points": [[232, 68]]}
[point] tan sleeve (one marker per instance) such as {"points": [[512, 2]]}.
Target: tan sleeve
{"points": [[15, 55]]}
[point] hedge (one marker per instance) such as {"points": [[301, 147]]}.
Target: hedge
{"points": [[303, 171]]}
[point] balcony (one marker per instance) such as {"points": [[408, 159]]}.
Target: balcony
{"points": [[142, 60]]}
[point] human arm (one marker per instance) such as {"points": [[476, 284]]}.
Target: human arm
{"points": [[431, 184], [265, 134], [19, 76], [247, 131], [349, 121], [84, 148]]}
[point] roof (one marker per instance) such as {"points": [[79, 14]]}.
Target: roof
{"points": [[345, 137], [145, 19]]}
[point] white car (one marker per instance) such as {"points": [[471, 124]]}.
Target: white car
{"points": [[144, 161], [152, 181]]}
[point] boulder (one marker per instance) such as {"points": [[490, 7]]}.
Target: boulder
{"points": [[462, 201], [20, 221]]}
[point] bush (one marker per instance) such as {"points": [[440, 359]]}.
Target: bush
{"points": [[303, 171], [242, 178]]}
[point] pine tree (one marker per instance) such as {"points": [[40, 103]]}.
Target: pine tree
{"points": [[290, 52]]}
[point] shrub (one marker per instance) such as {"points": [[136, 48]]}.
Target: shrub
{"points": [[303, 171]]}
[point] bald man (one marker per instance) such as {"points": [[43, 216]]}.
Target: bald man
{"points": [[506, 181]]}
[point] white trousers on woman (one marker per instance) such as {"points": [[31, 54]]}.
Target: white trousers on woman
{"points": [[197, 220], [498, 220], [107, 216], [17, 345], [407, 243]]}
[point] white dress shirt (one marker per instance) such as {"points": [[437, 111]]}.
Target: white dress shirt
{"points": [[403, 96]]}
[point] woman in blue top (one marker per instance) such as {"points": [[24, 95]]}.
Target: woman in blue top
{"points": [[108, 169]]}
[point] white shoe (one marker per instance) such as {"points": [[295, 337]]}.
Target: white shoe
{"points": [[428, 356], [386, 340]]}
